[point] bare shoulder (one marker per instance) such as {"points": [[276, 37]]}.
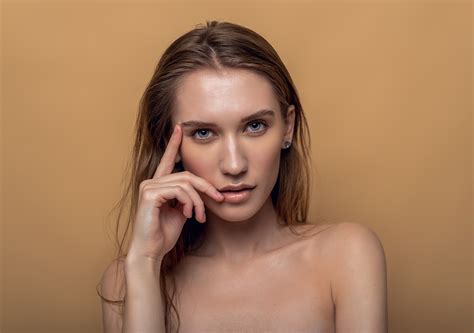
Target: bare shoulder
{"points": [[348, 236], [112, 289], [334, 241], [358, 275], [348, 239]]}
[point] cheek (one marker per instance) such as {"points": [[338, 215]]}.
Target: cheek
{"points": [[266, 162], [193, 161]]}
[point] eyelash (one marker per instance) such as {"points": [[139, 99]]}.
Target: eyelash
{"points": [[252, 122]]}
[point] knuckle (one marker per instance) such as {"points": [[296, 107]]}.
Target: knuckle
{"points": [[149, 195], [187, 175], [179, 188], [186, 184]]}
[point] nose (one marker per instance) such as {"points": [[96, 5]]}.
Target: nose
{"points": [[233, 159]]}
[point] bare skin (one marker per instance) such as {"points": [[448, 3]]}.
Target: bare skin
{"points": [[234, 152], [285, 290], [309, 284], [252, 274], [240, 278]]}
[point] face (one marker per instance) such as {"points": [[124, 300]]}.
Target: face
{"points": [[242, 145]]}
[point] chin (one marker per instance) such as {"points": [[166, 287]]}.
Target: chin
{"points": [[233, 213]]}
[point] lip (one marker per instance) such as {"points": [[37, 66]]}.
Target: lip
{"points": [[237, 197], [237, 187]]}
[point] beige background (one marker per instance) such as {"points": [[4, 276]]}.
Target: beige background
{"points": [[387, 89]]}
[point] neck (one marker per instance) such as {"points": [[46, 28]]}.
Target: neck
{"points": [[236, 242]]}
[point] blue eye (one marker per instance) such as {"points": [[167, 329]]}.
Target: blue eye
{"points": [[255, 129], [257, 122], [199, 131]]}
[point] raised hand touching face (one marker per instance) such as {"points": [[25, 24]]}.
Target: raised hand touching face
{"points": [[157, 224]]}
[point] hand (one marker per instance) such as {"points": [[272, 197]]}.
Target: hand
{"points": [[158, 224]]}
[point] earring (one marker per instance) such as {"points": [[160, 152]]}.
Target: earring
{"points": [[287, 145]]}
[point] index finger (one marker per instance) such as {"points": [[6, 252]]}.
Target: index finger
{"points": [[166, 165]]}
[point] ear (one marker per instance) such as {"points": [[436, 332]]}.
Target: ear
{"points": [[289, 124]]}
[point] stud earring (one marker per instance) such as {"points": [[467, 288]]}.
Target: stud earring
{"points": [[287, 145]]}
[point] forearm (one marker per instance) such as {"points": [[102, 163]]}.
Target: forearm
{"points": [[143, 309]]}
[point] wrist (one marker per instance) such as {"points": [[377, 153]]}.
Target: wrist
{"points": [[140, 263]]}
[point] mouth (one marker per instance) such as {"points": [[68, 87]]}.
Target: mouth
{"points": [[237, 196], [236, 188]]}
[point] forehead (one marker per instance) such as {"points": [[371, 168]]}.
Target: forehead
{"points": [[210, 95]]}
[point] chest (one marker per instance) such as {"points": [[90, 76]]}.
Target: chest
{"points": [[289, 292]]}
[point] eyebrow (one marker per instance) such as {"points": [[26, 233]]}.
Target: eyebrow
{"points": [[260, 113]]}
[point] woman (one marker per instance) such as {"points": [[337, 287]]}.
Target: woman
{"points": [[219, 197]]}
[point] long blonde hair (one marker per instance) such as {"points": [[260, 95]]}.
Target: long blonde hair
{"points": [[217, 45]]}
